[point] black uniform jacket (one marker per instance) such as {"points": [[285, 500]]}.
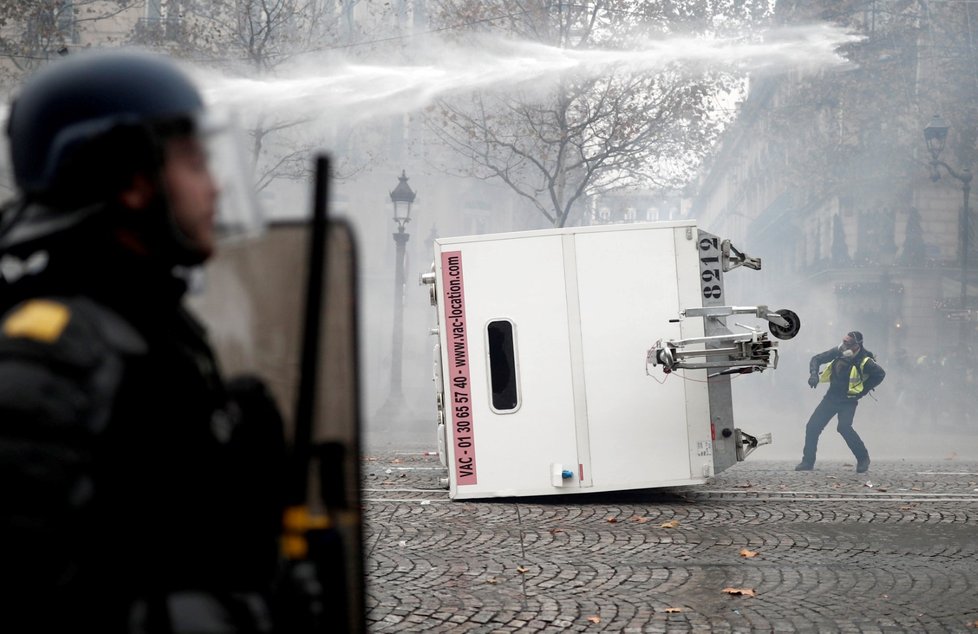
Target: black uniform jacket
{"points": [[125, 472]]}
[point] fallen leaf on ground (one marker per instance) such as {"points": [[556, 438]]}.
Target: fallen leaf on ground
{"points": [[669, 524], [492, 580], [747, 592], [594, 619], [554, 531], [640, 520], [673, 610], [973, 624], [521, 569], [748, 553], [612, 520], [396, 461]]}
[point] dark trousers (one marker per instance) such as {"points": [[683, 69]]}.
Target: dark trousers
{"points": [[845, 409]]}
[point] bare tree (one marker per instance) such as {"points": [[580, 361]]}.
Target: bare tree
{"points": [[33, 31], [587, 135]]}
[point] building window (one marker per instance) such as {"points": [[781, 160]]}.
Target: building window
{"points": [[503, 374]]}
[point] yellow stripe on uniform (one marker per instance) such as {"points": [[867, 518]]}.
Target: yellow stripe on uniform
{"points": [[39, 319], [297, 521]]}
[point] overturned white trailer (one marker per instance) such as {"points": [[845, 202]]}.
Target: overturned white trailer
{"points": [[590, 359]]}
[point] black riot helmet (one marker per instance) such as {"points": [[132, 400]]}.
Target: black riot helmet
{"points": [[85, 124], [84, 127]]}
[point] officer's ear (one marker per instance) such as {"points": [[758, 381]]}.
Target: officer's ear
{"points": [[139, 193]]}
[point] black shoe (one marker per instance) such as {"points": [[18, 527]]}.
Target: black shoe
{"points": [[804, 466], [862, 466]]}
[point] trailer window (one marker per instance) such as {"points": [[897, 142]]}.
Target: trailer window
{"points": [[502, 365]]}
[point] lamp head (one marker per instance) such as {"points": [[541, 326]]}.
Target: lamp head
{"points": [[402, 197], [935, 134]]}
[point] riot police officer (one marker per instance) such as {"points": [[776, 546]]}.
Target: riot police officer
{"points": [[139, 491]]}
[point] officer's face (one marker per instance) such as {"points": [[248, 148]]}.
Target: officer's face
{"points": [[192, 192]]}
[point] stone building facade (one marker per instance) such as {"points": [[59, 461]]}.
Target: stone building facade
{"points": [[827, 179]]}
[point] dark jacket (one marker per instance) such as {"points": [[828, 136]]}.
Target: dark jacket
{"points": [[128, 472], [872, 373]]}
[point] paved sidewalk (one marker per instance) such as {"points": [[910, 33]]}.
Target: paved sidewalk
{"points": [[760, 549]]}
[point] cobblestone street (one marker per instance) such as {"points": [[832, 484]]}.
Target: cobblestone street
{"points": [[760, 549]]}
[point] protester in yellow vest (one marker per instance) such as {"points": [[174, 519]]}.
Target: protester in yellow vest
{"points": [[851, 372]]}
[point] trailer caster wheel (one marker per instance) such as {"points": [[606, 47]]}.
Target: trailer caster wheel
{"points": [[789, 331], [665, 358]]}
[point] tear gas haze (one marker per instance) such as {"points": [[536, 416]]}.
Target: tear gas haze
{"points": [[336, 90]]}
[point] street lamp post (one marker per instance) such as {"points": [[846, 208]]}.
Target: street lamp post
{"points": [[935, 134], [402, 197]]}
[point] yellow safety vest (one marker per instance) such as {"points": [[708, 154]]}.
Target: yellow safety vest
{"points": [[855, 376]]}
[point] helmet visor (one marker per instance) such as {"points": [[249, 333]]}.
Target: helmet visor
{"points": [[238, 213]]}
